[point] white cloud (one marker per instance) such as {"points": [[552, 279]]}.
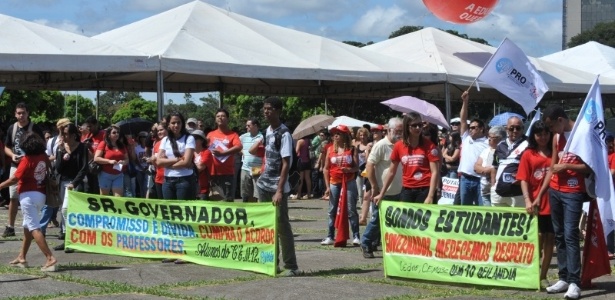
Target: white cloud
{"points": [[380, 21], [528, 6]]}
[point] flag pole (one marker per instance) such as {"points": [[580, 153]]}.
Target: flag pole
{"points": [[486, 64]]}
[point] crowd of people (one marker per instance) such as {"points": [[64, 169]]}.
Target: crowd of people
{"points": [[403, 160]]}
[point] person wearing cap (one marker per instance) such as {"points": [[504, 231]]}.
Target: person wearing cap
{"points": [[419, 158], [202, 162], [141, 149], [455, 122], [251, 164], [341, 166], [13, 151], [377, 133], [191, 124], [224, 144]]}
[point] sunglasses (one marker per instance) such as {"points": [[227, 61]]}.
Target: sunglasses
{"points": [[473, 127], [416, 125], [514, 128]]}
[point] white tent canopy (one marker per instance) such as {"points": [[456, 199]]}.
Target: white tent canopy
{"points": [[462, 60], [36, 55], [350, 122], [591, 57], [209, 48]]}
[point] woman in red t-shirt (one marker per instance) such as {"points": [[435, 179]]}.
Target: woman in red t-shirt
{"points": [[155, 191], [533, 168], [419, 158], [203, 161], [341, 165], [31, 176], [112, 155]]}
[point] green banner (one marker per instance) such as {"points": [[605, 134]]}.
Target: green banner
{"points": [[227, 235], [462, 244]]}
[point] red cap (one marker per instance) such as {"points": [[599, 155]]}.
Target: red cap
{"points": [[378, 128], [340, 129]]}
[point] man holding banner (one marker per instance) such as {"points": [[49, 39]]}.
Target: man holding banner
{"points": [[566, 196], [377, 169]]}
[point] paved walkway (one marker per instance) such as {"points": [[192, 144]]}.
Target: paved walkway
{"points": [[330, 273]]}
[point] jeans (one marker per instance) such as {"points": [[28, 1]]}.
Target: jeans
{"points": [[129, 186], [318, 185], [141, 184], [566, 210], [224, 185], [469, 190], [414, 195], [180, 188], [351, 201], [285, 231], [371, 236]]}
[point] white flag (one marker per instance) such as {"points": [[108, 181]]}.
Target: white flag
{"points": [[587, 141], [510, 72], [534, 120]]}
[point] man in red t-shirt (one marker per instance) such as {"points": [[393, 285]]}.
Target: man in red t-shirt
{"points": [[566, 196], [223, 144], [92, 136]]}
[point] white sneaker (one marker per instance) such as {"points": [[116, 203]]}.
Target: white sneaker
{"points": [[574, 292], [327, 241], [356, 242], [559, 287]]}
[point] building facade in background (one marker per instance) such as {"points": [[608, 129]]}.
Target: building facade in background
{"points": [[583, 15]]}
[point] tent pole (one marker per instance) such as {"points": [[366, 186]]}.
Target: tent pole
{"points": [[160, 94], [221, 103], [97, 101], [447, 91]]}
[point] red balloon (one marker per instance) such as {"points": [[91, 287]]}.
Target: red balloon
{"points": [[460, 11]]}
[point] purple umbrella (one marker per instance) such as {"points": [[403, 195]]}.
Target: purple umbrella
{"points": [[428, 111]]}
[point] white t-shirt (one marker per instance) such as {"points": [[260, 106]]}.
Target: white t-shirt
{"points": [[51, 149], [140, 153], [185, 142], [485, 180], [380, 156], [470, 151]]}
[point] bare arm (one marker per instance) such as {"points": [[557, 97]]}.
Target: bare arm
{"points": [[434, 182], [463, 113]]}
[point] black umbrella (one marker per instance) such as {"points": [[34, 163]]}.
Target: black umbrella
{"points": [[134, 126]]}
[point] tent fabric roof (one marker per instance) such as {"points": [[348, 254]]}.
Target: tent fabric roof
{"points": [[462, 60], [201, 39], [591, 57]]}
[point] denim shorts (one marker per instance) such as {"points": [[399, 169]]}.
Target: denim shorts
{"points": [[110, 181]]}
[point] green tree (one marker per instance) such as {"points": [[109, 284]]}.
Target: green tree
{"points": [[603, 33], [44, 106], [111, 101], [136, 108], [404, 30], [85, 108]]}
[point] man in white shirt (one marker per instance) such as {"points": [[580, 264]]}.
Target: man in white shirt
{"points": [[250, 162], [377, 168], [473, 143]]}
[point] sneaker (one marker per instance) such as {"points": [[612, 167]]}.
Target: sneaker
{"points": [[328, 241], [559, 287], [367, 253], [8, 231], [59, 247], [293, 197], [356, 242], [291, 273], [574, 292]]}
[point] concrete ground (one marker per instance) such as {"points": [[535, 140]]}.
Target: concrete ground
{"points": [[330, 273]]}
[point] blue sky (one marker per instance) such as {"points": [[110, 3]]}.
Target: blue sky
{"points": [[536, 26]]}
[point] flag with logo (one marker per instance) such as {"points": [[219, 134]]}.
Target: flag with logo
{"points": [[511, 73], [587, 141]]}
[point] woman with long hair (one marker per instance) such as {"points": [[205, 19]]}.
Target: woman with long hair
{"points": [[305, 169], [72, 165], [419, 158], [31, 179], [112, 155], [155, 190], [363, 145], [341, 165], [176, 155], [533, 167], [451, 153]]}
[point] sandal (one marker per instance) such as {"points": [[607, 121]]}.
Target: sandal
{"points": [[50, 268], [18, 263]]}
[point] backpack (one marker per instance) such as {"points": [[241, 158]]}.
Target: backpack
{"points": [[507, 185], [277, 144]]}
